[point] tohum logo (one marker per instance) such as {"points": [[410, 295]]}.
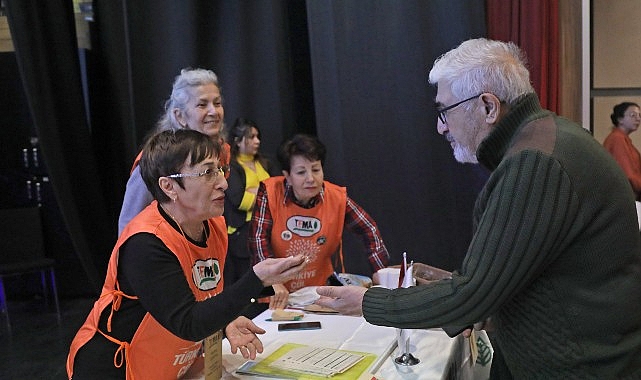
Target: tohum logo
{"points": [[485, 352]]}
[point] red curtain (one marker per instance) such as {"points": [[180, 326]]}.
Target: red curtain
{"points": [[534, 26]]}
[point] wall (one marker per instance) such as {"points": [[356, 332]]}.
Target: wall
{"points": [[616, 72]]}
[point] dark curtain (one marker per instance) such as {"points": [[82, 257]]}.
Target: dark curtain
{"points": [[353, 72], [142, 45], [534, 26], [138, 47], [43, 34], [374, 110]]}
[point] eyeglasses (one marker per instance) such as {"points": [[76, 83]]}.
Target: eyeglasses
{"points": [[441, 111], [209, 174]]}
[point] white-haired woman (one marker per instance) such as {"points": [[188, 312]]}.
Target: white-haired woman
{"points": [[195, 103]]}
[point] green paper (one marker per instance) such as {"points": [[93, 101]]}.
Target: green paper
{"points": [[263, 367]]}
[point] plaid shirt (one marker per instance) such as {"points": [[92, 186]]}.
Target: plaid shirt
{"points": [[357, 221]]}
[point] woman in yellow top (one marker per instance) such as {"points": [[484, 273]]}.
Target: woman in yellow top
{"points": [[248, 168]]}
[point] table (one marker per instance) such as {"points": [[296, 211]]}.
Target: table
{"points": [[433, 347]]}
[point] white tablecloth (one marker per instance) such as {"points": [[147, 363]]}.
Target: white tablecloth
{"points": [[432, 347]]}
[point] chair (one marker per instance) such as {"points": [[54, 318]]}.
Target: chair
{"points": [[23, 252]]}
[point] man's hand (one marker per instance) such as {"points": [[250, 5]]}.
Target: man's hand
{"points": [[346, 300], [486, 325], [241, 333]]}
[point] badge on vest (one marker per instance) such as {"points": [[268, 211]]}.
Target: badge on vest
{"points": [[286, 235], [303, 226], [214, 356], [206, 274]]}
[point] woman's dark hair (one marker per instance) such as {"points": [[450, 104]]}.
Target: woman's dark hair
{"points": [[301, 145], [165, 154], [618, 111], [242, 128]]}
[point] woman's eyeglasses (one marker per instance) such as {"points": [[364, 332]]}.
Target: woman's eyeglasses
{"points": [[210, 174]]}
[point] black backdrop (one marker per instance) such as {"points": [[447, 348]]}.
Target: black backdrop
{"points": [[352, 72]]}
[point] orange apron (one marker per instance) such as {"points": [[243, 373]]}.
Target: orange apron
{"points": [[154, 352], [316, 232]]}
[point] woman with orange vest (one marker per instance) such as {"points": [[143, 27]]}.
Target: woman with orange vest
{"points": [[163, 293], [299, 213], [195, 103]]}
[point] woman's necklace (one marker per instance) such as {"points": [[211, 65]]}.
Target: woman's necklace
{"points": [[203, 232]]}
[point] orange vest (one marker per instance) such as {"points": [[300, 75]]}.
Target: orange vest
{"points": [[225, 157], [154, 352], [315, 232]]}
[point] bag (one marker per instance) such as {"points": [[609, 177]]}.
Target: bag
{"points": [[471, 358]]}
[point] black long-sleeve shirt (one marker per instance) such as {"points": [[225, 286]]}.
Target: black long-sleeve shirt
{"points": [[149, 270]]}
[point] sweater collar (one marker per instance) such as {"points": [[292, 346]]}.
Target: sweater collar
{"points": [[492, 149]]}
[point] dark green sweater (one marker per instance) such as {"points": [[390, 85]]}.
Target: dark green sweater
{"points": [[555, 259]]}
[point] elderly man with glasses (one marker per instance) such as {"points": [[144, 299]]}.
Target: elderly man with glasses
{"points": [[555, 259]]}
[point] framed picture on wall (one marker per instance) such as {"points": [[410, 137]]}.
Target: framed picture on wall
{"points": [[616, 44]]}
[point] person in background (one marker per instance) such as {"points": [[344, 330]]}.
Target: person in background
{"points": [[299, 213], [163, 293], [626, 118], [248, 167], [195, 103], [555, 259]]}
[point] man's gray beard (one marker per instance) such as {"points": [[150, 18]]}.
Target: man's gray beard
{"points": [[465, 155]]}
